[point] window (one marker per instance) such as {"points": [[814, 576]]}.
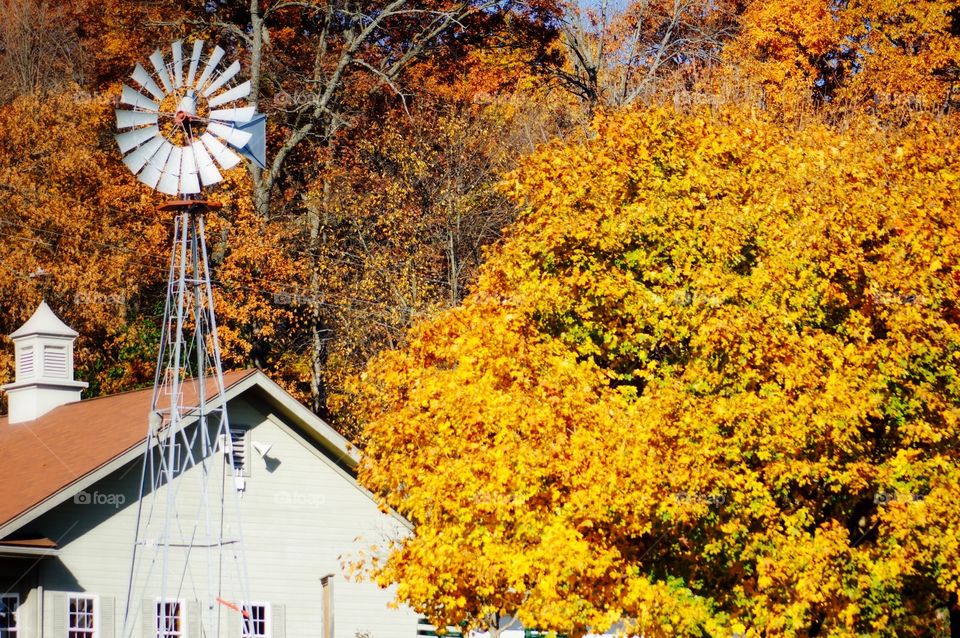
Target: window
{"points": [[81, 617], [256, 624], [9, 604], [170, 622]]}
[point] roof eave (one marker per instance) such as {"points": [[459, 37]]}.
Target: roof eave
{"points": [[16, 551], [320, 431]]}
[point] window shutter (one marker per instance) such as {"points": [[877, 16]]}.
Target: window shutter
{"points": [[193, 619], [278, 621], [58, 608], [108, 621], [149, 618], [240, 444]]}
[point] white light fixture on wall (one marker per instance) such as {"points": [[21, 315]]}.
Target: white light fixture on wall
{"points": [[261, 448]]}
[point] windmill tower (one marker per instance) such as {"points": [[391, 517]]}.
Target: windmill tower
{"points": [[187, 120]]}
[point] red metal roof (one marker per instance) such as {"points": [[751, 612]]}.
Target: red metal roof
{"points": [[41, 457]]}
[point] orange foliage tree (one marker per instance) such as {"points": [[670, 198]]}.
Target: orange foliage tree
{"points": [[709, 385], [69, 211]]}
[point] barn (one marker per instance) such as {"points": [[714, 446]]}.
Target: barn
{"points": [[71, 474]]}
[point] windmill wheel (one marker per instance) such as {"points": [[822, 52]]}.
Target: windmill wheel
{"points": [[183, 125]]}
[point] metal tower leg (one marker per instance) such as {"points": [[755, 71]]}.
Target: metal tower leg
{"points": [[182, 506]]}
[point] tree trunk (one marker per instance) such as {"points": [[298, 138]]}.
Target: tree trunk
{"points": [[453, 266], [318, 362], [815, 627], [493, 626], [262, 185], [262, 180], [319, 328]]}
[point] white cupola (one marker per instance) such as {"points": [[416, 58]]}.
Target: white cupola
{"points": [[44, 364]]}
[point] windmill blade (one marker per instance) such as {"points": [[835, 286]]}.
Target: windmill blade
{"points": [[172, 167], [177, 48], [141, 77], [194, 61], [226, 158], [128, 119], [159, 159], [237, 92], [170, 180], [222, 79], [189, 184], [234, 137], [209, 174], [236, 114], [138, 158], [168, 184], [150, 176], [188, 161], [156, 58], [136, 137], [212, 63], [189, 180], [137, 99], [152, 171]]}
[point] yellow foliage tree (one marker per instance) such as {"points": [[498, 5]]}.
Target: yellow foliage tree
{"points": [[708, 385], [887, 55]]}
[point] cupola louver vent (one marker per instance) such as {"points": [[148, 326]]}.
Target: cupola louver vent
{"points": [[55, 362], [25, 367]]}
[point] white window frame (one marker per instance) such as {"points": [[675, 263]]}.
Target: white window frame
{"points": [[160, 607], [96, 615], [267, 621], [14, 631]]}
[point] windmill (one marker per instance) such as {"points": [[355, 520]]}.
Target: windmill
{"points": [[188, 119]]}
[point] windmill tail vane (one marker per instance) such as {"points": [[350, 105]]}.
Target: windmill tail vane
{"points": [[188, 120]]}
